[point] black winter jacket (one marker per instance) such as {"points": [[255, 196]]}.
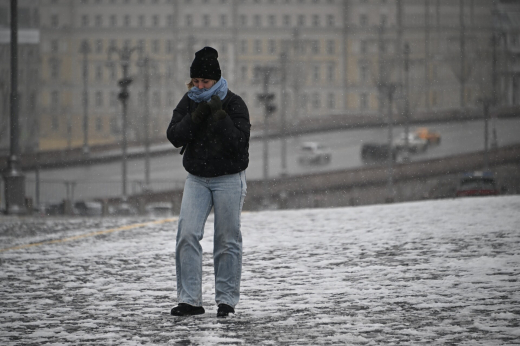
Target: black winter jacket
{"points": [[213, 148]]}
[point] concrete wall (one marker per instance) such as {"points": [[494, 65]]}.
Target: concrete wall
{"points": [[413, 181]]}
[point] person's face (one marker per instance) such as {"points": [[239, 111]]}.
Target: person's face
{"points": [[203, 83]]}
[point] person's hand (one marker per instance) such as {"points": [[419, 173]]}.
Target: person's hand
{"points": [[201, 113], [215, 103], [219, 115]]}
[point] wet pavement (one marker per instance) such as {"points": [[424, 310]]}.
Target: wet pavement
{"points": [[428, 273]]}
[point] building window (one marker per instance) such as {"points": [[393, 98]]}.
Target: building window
{"points": [[223, 20], [301, 20], [243, 73], [140, 19], [99, 72], [315, 47], [331, 72], [363, 73], [55, 22], [113, 20], [140, 45], [206, 20], [316, 102], [54, 122], [84, 20], [54, 100], [155, 20], [189, 20], [99, 21], [272, 21], [55, 69], [99, 46], [258, 46], [331, 47], [127, 20], [286, 20], [257, 20], [316, 73], [315, 20], [243, 46], [363, 20], [363, 47], [99, 124], [330, 20], [54, 46], [169, 46], [155, 46], [272, 46], [243, 20], [384, 20], [363, 101], [331, 101], [113, 99], [99, 99]]}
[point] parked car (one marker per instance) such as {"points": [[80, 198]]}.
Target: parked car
{"points": [[431, 137], [88, 208], [477, 184], [314, 153], [415, 144], [375, 152]]}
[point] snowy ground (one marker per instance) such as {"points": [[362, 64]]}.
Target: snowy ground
{"points": [[429, 273]]}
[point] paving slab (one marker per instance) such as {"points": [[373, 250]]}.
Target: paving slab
{"points": [[439, 272]]}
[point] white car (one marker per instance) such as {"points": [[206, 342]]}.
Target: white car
{"points": [[415, 144], [314, 153]]}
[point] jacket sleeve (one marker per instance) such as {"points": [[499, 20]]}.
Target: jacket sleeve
{"points": [[234, 129], [181, 129]]}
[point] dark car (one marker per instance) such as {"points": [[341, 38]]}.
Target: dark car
{"points": [[374, 152], [477, 184]]}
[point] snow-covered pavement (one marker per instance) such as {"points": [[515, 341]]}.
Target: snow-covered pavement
{"points": [[442, 272]]}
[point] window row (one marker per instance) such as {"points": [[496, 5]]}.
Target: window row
{"points": [[126, 20], [258, 20], [204, 20], [315, 100], [100, 99], [272, 46]]}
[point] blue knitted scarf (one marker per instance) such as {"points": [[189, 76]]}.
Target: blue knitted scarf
{"points": [[220, 89]]}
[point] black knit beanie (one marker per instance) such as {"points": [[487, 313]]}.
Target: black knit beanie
{"points": [[205, 64]]}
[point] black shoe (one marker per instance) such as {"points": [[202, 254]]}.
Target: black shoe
{"points": [[224, 310], [184, 309]]}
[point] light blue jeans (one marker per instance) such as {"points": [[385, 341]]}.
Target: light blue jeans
{"points": [[226, 195]]}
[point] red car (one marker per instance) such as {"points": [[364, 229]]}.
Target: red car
{"points": [[477, 184]]}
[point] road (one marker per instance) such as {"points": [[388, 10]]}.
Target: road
{"points": [[104, 180]]}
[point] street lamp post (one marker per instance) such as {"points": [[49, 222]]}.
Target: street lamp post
{"points": [[145, 64], [389, 89], [266, 98], [407, 100], [85, 50], [13, 176], [124, 55]]}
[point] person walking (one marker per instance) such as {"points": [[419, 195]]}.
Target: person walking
{"points": [[211, 124]]}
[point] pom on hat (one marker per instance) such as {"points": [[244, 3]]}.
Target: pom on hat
{"points": [[205, 64]]}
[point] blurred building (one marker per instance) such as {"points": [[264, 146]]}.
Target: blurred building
{"points": [[341, 58], [28, 68], [507, 36]]}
